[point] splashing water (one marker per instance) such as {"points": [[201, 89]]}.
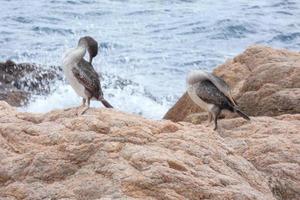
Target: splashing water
{"points": [[146, 47]]}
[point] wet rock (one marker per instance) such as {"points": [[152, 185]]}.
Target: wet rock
{"points": [[14, 97], [264, 82], [19, 81]]}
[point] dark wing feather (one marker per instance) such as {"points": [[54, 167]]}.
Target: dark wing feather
{"points": [[221, 83], [88, 77], [209, 93]]}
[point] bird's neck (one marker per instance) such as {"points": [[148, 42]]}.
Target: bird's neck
{"points": [[196, 76], [75, 55]]}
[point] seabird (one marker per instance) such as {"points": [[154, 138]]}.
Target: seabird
{"points": [[81, 74], [212, 94]]}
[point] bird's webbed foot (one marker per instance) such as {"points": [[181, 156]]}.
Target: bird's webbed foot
{"points": [[216, 127], [215, 113], [67, 109], [81, 110]]}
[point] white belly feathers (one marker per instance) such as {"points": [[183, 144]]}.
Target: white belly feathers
{"points": [[68, 64]]}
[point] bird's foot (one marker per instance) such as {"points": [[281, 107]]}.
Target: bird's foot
{"points": [[67, 109], [206, 124], [81, 110]]}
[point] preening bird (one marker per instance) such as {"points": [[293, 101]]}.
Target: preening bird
{"points": [[81, 74], [212, 94]]}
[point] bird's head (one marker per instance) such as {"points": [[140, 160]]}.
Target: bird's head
{"points": [[91, 45]]}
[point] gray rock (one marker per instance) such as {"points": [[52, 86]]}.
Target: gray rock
{"points": [[19, 81]]}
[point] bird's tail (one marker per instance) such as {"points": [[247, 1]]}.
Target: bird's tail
{"points": [[238, 111], [105, 103]]}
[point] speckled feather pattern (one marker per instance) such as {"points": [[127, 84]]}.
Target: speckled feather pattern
{"points": [[210, 94], [88, 77]]}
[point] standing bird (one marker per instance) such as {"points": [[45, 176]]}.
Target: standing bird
{"points": [[212, 94], [81, 74]]}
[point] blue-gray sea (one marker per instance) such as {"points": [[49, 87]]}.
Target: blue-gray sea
{"points": [[146, 46]]}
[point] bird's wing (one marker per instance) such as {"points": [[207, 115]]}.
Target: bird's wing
{"points": [[222, 86], [209, 93], [88, 77]]}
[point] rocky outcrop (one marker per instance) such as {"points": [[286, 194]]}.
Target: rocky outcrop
{"points": [[272, 146], [182, 110], [107, 154], [265, 82], [19, 81]]}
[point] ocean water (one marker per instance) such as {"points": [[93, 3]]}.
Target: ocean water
{"points": [[146, 46]]}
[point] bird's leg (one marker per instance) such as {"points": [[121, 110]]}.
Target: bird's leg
{"points": [[81, 106], [83, 102], [209, 117], [85, 108], [216, 112]]}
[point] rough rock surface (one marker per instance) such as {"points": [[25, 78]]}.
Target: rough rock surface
{"points": [[106, 154], [19, 81], [265, 82], [272, 145]]}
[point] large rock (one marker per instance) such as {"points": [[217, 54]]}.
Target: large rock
{"points": [[265, 82], [272, 145], [182, 109], [19, 81], [106, 154]]}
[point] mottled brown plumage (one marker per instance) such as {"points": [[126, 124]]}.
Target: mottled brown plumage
{"points": [[81, 74], [212, 94], [89, 78]]}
